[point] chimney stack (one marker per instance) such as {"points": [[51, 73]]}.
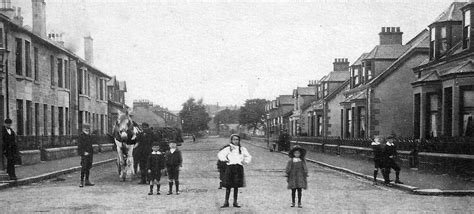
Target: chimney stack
{"points": [[88, 49], [17, 18], [341, 64], [390, 36], [7, 9], [39, 17]]}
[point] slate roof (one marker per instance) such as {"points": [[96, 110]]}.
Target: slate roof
{"points": [[359, 60], [387, 51], [306, 91], [338, 76], [452, 13], [285, 99], [420, 41], [111, 82]]}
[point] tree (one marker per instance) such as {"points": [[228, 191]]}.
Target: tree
{"points": [[252, 114], [226, 116], [194, 116]]}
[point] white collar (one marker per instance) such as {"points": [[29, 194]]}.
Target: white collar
{"points": [[390, 144], [156, 153], [295, 160]]}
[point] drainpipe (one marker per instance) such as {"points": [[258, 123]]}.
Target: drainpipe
{"points": [[369, 110], [6, 73]]}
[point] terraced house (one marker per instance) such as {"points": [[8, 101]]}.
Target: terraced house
{"points": [[46, 89], [443, 91], [378, 101], [323, 113]]}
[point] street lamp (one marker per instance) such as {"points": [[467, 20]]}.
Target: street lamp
{"points": [[4, 69]]}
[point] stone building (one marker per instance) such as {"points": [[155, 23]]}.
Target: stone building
{"points": [[378, 101], [443, 90], [45, 88], [322, 115], [302, 96], [116, 100], [143, 113], [278, 114]]}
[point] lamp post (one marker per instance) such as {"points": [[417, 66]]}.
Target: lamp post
{"points": [[4, 69]]}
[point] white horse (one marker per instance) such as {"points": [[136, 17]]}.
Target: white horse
{"points": [[125, 136]]}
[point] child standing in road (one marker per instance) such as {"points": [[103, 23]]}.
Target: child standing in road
{"points": [[155, 163], [296, 173], [174, 161]]}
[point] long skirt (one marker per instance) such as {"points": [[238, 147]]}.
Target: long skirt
{"points": [[234, 176]]}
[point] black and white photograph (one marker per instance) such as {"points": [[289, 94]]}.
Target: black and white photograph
{"points": [[237, 106]]}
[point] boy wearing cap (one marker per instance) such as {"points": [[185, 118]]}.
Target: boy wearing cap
{"points": [[390, 154], [155, 163], [10, 149], [174, 161], [85, 150]]}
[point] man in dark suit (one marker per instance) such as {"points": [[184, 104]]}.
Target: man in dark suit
{"points": [[10, 149], [85, 150], [143, 150]]}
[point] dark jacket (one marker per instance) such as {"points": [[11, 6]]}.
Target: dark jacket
{"points": [[145, 143], [174, 159], [378, 151], [156, 162], [10, 148], [390, 150], [85, 144]]}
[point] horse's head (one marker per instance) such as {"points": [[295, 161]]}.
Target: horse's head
{"points": [[124, 129]]}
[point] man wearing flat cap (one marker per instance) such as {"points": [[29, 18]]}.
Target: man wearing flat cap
{"points": [[10, 149], [85, 150]]}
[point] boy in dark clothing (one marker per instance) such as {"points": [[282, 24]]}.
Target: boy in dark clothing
{"points": [[10, 149], [85, 150], [174, 161], [155, 163], [377, 148], [390, 152]]}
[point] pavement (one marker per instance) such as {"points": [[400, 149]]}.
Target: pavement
{"points": [[28, 174], [415, 181], [329, 191]]}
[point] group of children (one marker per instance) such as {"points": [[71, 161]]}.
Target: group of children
{"points": [[384, 159], [159, 160], [232, 157]]}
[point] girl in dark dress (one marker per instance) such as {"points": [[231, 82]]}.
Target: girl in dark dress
{"points": [[235, 157], [296, 172]]}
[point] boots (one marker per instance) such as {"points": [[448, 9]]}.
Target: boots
{"points": [[88, 183], [151, 190], [81, 184], [177, 187], [158, 189], [397, 177], [170, 188], [227, 194]]}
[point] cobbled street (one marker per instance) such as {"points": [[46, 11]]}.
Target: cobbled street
{"points": [[328, 192]]}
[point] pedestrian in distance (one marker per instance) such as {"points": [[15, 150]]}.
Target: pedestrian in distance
{"points": [[174, 161], [155, 163], [390, 163], [297, 173], [378, 150], [235, 157], [10, 149], [221, 167], [85, 150], [194, 139]]}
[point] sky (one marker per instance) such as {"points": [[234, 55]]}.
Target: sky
{"points": [[226, 51]]}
